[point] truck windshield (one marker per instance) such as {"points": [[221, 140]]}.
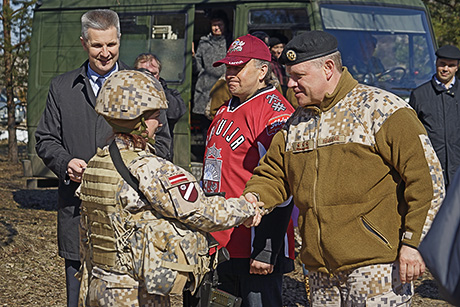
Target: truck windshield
{"points": [[388, 47]]}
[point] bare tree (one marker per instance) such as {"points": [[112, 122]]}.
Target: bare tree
{"points": [[16, 18]]}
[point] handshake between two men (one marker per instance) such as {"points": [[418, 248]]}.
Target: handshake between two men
{"points": [[254, 220]]}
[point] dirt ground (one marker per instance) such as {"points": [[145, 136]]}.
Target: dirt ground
{"points": [[31, 272]]}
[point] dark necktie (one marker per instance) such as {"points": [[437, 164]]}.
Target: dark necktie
{"points": [[99, 82]]}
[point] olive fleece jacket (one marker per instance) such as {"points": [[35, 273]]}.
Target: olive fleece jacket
{"points": [[362, 172]]}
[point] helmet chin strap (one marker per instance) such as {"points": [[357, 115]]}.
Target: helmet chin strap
{"points": [[141, 130]]}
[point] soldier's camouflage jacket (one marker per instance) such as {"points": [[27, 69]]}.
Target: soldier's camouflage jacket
{"points": [[158, 242]]}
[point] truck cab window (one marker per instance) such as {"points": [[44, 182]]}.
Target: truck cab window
{"points": [[387, 47]]}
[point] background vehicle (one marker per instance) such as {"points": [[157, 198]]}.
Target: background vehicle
{"points": [[401, 31]]}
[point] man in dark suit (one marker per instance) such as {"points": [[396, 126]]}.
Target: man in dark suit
{"points": [[70, 131], [436, 103]]}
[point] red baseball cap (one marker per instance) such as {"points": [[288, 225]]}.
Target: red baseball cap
{"points": [[243, 49]]}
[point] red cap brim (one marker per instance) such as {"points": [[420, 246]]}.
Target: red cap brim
{"points": [[232, 61]]}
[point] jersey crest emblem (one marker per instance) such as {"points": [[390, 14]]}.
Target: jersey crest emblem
{"points": [[212, 171]]}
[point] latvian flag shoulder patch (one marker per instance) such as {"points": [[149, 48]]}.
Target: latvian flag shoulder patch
{"points": [[177, 179]]}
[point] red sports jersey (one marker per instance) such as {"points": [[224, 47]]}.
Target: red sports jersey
{"points": [[236, 141]]}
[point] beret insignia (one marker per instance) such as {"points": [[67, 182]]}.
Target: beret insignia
{"points": [[291, 55]]}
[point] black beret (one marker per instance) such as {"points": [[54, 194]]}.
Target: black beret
{"points": [[277, 39], [273, 41], [308, 46], [448, 52]]}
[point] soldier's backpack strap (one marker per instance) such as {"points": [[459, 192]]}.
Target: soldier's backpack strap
{"points": [[123, 170]]}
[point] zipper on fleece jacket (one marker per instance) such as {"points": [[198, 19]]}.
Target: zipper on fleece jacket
{"points": [[315, 148]]}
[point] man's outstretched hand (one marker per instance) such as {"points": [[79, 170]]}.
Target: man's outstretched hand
{"points": [[255, 220]]}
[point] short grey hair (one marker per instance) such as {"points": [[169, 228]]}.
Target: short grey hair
{"points": [[99, 20], [270, 79], [336, 57]]}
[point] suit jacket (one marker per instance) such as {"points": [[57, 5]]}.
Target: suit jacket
{"points": [[70, 128], [441, 247]]}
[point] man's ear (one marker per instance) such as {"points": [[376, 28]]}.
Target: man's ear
{"points": [[328, 68], [83, 43], [263, 72]]}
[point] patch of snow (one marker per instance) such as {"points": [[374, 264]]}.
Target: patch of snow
{"points": [[21, 135]]}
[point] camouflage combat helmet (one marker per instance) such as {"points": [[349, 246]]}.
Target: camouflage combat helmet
{"points": [[127, 95]]}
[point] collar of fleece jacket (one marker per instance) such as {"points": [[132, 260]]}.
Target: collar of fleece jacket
{"points": [[345, 85]]}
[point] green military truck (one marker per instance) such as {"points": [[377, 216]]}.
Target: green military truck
{"points": [[386, 43]]}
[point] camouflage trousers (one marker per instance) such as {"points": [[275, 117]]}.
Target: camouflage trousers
{"points": [[374, 285], [121, 290]]}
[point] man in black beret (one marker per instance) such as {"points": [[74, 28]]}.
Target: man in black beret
{"points": [[437, 105], [363, 174]]}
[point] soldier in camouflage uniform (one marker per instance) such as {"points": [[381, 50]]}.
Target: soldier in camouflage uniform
{"points": [[363, 174], [138, 247]]}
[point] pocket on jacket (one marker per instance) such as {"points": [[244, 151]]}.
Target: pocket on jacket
{"points": [[374, 231]]}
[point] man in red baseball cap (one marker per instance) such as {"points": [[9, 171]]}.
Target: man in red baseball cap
{"points": [[238, 137], [243, 49]]}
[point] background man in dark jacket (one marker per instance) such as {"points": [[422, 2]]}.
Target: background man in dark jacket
{"points": [[70, 131], [437, 105], [176, 105]]}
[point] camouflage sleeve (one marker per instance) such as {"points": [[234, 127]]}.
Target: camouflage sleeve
{"points": [[175, 193]]}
